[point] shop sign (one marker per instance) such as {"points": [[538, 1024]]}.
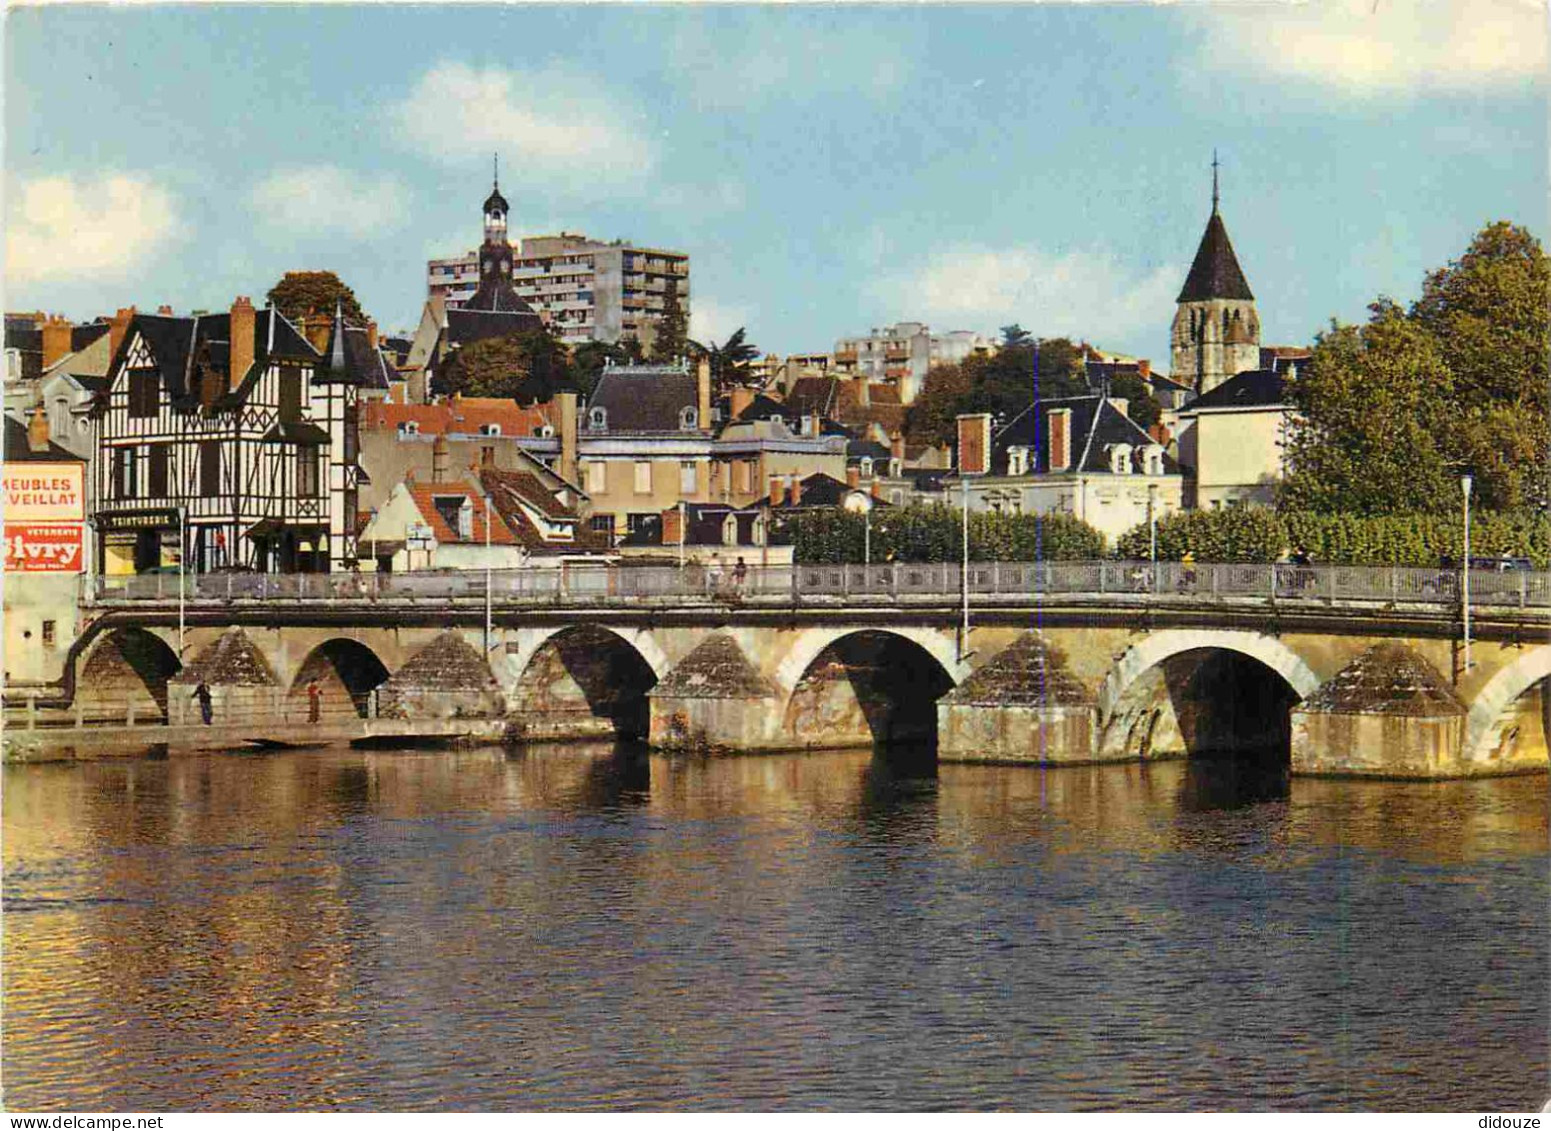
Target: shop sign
{"points": [[43, 547], [43, 492]]}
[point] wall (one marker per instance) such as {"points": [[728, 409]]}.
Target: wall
{"points": [[1238, 455], [31, 599]]}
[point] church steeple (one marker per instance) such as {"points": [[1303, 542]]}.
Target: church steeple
{"points": [[1216, 326], [495, 291]]}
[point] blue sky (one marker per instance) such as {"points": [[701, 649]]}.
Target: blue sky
{"points": [[828, 169]]}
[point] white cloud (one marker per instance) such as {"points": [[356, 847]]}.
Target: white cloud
{"points": [[740, 59], [327, 200], [550, 121], [1086, 294], [711, 321], [1381, 46], [62, 228]]}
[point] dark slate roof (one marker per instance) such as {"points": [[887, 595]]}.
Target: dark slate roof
{"points": [[705, 522], [760, 408], [465, 325], [496, 200], [1387, 679], [496, 294], [27, 340], [176, 343], [648, 401], [812, 395], [1096, 423], [820, 490], [17, 450], [867, 449], [1027, 673], [716, 669], [351, 354], [1254, 388], [83, 336], [1215, 272]]}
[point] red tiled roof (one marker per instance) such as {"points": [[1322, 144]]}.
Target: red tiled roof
{"points": [[463, 414], [425, 496], [526, 486]]}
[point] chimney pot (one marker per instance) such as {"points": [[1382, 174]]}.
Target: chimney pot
{"points": [[118, 327], [897, 446], [164, 310], [777, 490], [371, 334]]}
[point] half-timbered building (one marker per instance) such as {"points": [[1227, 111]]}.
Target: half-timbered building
{"points": [[231, 438]]}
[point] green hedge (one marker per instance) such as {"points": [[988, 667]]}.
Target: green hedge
{"points": [[932, 534], [1258, 534]]}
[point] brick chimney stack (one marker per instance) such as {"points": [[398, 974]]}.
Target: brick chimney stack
{"points": [[777, 490], [703, 389], [371, 334], [796, 491], [853, 477], [56, 339], [118, 327], [672, 527], [243, 332], [565, 404], [164, 311], [740, 400], [439, 459], [1144, 369], [897, 446], [1060, 439]]}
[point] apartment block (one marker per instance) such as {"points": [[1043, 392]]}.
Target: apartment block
{"points": [[901, 354], [587, 289]]}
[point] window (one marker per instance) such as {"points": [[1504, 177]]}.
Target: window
{"points": [[157, 471], [409, 428], [687, 478], [490, 430], [59, 417], [352, 433], [598, 419], [643, 478], [1017, 461], [123, 473], [48, 633], [210, 469], [866, 467], [290, 394], [142, 393], [597, 477], [687, 418], [603, 524], [307, 471]]}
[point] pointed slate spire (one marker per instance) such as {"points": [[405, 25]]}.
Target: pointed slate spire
{"points": [[1215, 272]]}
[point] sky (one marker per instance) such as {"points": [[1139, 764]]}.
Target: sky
{"points": [[828, 168]]}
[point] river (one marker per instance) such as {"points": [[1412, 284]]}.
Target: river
{"points": [[592, 928]]}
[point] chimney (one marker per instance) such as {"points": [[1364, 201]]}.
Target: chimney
{"points": [[56, 339], [703, 388], [565, 402], [897, 446], [672, 527], [1144, 369], [242, 333], [371, 335], [164, 311], [1060, 439], [853, 477], [741, 399], [796, 491], [864, 390], [118, 327], [315, 327], [439, 459], [37, 430], [777, 490], [877, 488]]}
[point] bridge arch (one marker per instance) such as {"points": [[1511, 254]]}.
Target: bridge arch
{"points": [[124, 669], [347, 672], [1198, 690], [584, 679], [867, 686], [1490, 710], [810, 642]]}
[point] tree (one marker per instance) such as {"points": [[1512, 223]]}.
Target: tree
{"points": [[1490, 313], [589, 359], [729, 361], [1015, 335], [301, 293], [670, 340], [527, 367], [1374, 420], [1002, 384], [1141, 406]]}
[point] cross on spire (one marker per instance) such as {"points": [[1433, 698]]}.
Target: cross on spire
{"points": [[495, 165], [1214, 180]]}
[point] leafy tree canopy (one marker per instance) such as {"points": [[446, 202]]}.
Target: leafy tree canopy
{"points": [[670, 338], [1393, 412], [303, 292], [729, 361], [1002, 384], [528, 367]]}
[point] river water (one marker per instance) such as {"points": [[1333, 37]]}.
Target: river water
{"points": [[587, 927]]}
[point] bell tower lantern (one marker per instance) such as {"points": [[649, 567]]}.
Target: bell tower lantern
{"points": [[495, 254]]}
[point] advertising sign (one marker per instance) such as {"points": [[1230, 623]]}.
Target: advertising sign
{"points": [[43, 547], [43, 492]]}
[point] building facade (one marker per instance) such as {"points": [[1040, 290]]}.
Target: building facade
{"points": [[900, 355], [226, 440]]}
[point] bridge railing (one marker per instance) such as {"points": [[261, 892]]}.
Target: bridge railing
{"points": [[822, 583]]}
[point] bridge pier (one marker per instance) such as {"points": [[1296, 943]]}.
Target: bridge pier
{"points": [[715, 700], [1023, 706]]}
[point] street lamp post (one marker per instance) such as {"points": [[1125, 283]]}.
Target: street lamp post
{"points": [[182, 572], [867, 535], [1465, 484], [1152, 533], [489, 600]]}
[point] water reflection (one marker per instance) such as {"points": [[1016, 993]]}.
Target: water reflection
{"points": [[571, 927]]}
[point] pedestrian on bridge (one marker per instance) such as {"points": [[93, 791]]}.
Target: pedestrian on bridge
{"points": [[202, 693]]}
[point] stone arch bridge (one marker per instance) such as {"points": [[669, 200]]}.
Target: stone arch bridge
{"points": [[1342, 686]]}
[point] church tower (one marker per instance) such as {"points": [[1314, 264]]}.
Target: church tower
{"points": [[1216, 327], [496, 292]]}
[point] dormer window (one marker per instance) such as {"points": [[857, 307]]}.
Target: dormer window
{"points": [[777, 418], [1017, 461], [1120, 459], [896, 468], [688, 419], [598, 419], [1152, 459], [489, 429], [409, 428], [730, 530], [544, 432], [866, 467]]}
